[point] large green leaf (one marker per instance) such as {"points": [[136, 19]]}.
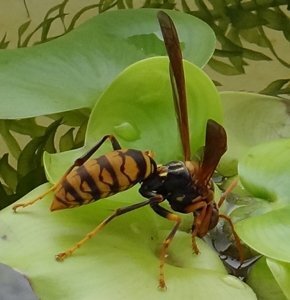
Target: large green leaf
{"points": [[263, 281], [281, 272], [265, 171], [121, 262], [138, 109], [268, 234], [251, 119], [72, 71]]}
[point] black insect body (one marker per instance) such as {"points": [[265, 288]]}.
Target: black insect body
{"points": [[174, 183]]}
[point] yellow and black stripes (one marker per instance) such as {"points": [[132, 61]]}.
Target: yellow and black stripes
{"points": [[102, 177]]}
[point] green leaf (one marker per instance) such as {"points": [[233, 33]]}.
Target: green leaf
{"points": [[275, 19], [243, 19], [255, 55], [222, 67], [21, 31], [34, 176], [131, 243], [77, 16], [262, 281], [66, 142], [26, 127], [281, 272], [85, 61], [252, 35], [239, 63], [268, 234], [138, 109], [251, 119], [265, 171], [31, 155], [275, 87], [7, 172], [3, 43], [9, 139], [73, 117]]}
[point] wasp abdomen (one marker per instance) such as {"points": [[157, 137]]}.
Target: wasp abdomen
{"points": [[102, 177]]}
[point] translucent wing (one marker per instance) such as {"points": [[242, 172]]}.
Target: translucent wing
{"points": [[171, 42]]}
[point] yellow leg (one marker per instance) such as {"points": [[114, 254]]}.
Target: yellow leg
{"points": [[63, 255], [31, 202], [165, 245], [171, 217]]}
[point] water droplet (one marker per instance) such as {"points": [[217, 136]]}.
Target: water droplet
{"points": [[233, 281], [127, 131]]}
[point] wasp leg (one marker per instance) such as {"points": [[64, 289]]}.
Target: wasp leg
{"points": [[228, 219], [230, 188], [87, 155], [120, 211], [172, 217], [31, 202], [236, 237], [78, 162], [200, 225], [201, 220]]}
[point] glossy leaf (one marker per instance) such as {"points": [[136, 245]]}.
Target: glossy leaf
{"points": [[263, 282], [72, 71], [281, 272], [251, 119], [268, 234], [138, 109], [265, 171], [120, 261]]}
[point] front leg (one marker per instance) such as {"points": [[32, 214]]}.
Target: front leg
{"points": [[172, 217], [198, 208]]}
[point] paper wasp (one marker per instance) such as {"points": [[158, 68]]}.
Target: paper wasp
{"points": [[186, 185]]}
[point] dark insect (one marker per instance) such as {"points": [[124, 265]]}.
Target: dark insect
{"points": [[186, 185]]}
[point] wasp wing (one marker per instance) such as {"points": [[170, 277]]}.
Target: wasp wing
{"points": [[172, 45], [215, 147]]}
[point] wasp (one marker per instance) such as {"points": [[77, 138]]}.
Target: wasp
{"points": [[186, 185]]}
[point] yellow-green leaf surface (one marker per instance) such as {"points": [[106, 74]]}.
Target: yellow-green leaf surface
{"points": [[120, 263], [251, 119], [281, 272], [138, 109], [268, 234], [262, 279], [72, 71], [265, 171]]}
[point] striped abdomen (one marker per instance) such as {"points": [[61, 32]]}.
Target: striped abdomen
{"points": [[102, 177]]}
